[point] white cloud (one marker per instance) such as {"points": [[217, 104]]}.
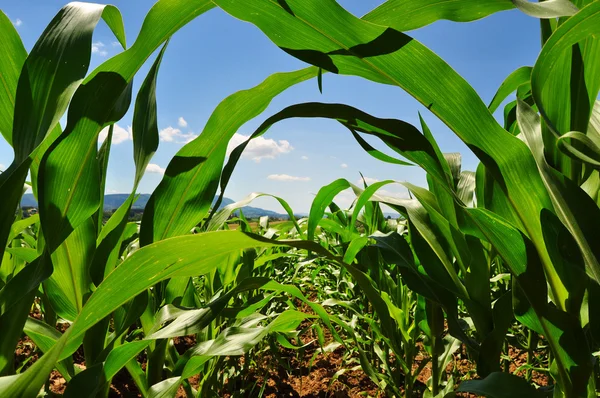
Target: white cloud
{"points": [[345, 198], [115, 44], [171, 134], [2, 167], [111, 191], [17, 22], [304, 157], [385, 190], [368, 180], [119, 134], [344, 166], [154, 168], [285, 177], [260, 147], [99, 48], [182, 122], [393, 194]]}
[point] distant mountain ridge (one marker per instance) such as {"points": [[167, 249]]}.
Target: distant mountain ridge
{"points": [[113, 201]]}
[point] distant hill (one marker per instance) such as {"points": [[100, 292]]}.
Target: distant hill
{"points": [[113, 201]]}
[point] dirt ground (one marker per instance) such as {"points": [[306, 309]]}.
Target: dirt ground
{"points": [[311, 374]]}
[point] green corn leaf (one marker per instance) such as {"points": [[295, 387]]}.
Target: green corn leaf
{"points": [[355, 246], [347, 45], [363, 199], [87, 383], [377, 154], [320, 202], [102, 159], [491, 346], [145, 143], [577, 28], [573, 206], [184, 196], [145, 125], [397, 251], [184, 256], [572, 359], [500, 385], [51, 73], [11, 330], [165, 389], [580, 147], [70, 282], [24, 283], [402, 137], [53, 70], [28, 383], [177, 257], [221, 216], [405, 15], [13, 57], [70, 192], [21, 225], [45, 336], [238, 340], [510, 85], [186, 322]]}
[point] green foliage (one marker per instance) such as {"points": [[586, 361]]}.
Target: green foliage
{"points": [[474, 262]]}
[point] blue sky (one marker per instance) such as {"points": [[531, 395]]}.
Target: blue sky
{"points": [[217, 55]]}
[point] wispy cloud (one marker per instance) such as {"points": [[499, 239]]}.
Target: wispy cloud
{"points": [[2, 167], [120, 135], [260, 148], [285, 177], [344, 166], [304, 157], [99, 48], [115, 44], [171, 134], [182, 122], [155, 169]]}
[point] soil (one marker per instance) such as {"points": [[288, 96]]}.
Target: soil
{"points": [[310, 373]]}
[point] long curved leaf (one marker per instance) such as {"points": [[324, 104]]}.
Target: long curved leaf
{"points": [[51, 73], [184, 196], [12, 60], [509, 85], [405, 15], [322, 33], [69, 191]]}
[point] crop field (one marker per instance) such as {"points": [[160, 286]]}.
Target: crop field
{"points": [[485, 282]]}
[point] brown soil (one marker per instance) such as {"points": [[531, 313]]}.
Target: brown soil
{"points": [[287, 373], [306, 381]]}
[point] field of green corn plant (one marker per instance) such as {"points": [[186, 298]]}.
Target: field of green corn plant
{"points": [[486, 283]]}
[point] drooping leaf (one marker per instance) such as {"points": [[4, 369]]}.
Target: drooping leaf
{"points": [[345, 44]]}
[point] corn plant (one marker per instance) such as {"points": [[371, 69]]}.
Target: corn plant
{"points": [[60, 259], [536, 190], [530, 209]]}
